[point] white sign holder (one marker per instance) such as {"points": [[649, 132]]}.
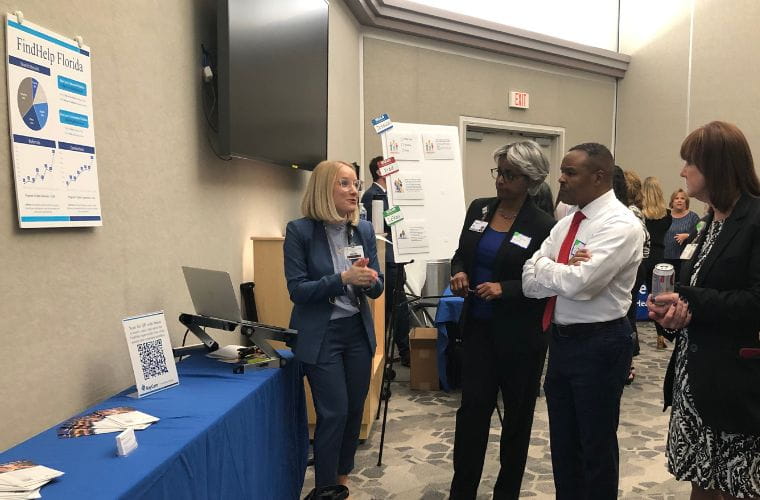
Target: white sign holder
{"points": [[150, 350]]}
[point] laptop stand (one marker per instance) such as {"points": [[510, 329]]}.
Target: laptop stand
{"points": [[257, 333]]}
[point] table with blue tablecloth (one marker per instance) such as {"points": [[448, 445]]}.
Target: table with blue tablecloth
{"points": [[448, 311], [221, 435]]}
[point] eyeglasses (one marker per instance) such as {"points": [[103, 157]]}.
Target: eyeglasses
{"points": [[507, 175], [346, 184]]}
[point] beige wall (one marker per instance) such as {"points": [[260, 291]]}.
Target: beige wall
{"points": [[419, 81], [167, 201], [343, 120], [660, 100]]}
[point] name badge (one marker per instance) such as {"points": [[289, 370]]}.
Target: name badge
{"points": [[479, 226], [382, 123], [688, 251], [520, 240], [393, 215], [354, 253], [577, 245], [387, 167]]}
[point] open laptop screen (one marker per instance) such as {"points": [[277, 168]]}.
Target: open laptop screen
{"points": [[212, 293]]}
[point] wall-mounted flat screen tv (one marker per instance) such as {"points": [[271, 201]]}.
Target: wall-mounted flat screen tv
{"points": [[272, 80]]}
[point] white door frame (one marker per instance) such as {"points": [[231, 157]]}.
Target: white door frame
{"points": [[558, 148]]}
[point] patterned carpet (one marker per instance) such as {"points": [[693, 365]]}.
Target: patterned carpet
{"points": [[420, 438]]}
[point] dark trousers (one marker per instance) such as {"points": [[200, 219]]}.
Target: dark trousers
{"points": [[401, 330], [587, 368], [339, 382], [485, 371]]}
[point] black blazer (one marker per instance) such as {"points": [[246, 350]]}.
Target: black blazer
{"points": [[516, 322], [725, 308]]}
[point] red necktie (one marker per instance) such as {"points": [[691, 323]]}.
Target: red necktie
{"points": [[562, 258]]}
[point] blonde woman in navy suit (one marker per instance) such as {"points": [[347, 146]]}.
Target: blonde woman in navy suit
{"points": [[331, 268]]}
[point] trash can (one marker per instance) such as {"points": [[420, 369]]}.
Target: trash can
{"points": [[437, 275]]}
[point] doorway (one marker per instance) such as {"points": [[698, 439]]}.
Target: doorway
{"points": [[480, 137]]}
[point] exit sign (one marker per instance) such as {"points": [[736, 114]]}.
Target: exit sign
{"points": [[519, 99]]}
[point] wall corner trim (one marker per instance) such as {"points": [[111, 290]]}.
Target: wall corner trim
{"points": [[410, 18]]}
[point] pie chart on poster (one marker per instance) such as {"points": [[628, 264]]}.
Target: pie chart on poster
{"points": [[32, 103]]}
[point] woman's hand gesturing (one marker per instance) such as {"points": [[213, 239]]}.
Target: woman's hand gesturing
{"points": [[359, 274]]}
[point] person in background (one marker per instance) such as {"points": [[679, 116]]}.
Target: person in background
{"points": [[634, 200], [587, 266], [684, 220], [543, 198], [378, 190], [658, 221], [504, 344], [619, 186], [331, 268], [714, 433]]}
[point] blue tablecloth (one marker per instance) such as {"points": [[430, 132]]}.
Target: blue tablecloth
{"points": [[221, 435], [449, 310]]}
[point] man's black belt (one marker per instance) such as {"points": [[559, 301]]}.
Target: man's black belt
{"points": [[586, 328]]}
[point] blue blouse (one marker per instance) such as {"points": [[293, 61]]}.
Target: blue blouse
{"points": [[485, 258], [681, 225]]}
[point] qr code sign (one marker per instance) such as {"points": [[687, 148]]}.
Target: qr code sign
{"points": [[152, 358]]}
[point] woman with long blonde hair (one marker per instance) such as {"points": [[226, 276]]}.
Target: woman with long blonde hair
{"points": [[658, 221]]}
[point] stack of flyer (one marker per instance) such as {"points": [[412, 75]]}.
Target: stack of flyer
{"points": [[23, 479], [108, 420]]}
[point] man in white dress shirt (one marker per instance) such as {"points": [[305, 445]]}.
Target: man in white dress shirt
{"points": [[588, 263]]}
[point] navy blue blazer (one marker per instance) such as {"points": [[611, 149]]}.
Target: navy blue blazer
{"points": [[313, 282]]}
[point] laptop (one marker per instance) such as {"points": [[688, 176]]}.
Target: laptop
{"points": [[212, 293]]}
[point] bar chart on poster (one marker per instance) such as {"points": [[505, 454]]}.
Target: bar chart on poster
{"points": [[52, 128]]}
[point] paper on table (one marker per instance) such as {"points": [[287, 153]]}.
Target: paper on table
{"points": [[131, 419], [4, 488], [21, 495], [29, 476]]}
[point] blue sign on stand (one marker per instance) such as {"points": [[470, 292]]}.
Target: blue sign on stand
{"points": [[642, 314]]}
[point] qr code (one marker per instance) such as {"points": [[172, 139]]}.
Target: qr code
{"points": [[152, 358]]}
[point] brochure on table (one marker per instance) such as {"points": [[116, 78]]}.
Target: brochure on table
{"points": [[428, 191], [150, 350], [52, 128]]}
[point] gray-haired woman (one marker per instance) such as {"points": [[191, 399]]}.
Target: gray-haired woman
{"points": [[504, 345]]}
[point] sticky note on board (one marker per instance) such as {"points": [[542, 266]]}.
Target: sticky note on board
{"points": [[393, 215], [382, 123], [387, 167]]}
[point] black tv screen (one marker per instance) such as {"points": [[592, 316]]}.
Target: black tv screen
{"points": [[272, 80]]}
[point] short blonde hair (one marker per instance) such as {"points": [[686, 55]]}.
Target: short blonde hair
{"points": [[318, 202], [654, 200], [676, 193]]}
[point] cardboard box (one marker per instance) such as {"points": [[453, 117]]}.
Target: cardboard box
{"points": [[423, 357]]}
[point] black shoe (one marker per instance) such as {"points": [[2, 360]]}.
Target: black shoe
{"points": [[405, 360], [337, 492]]}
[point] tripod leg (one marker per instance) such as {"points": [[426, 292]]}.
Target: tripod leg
{"points": [[385, 391], [387, 362]]}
